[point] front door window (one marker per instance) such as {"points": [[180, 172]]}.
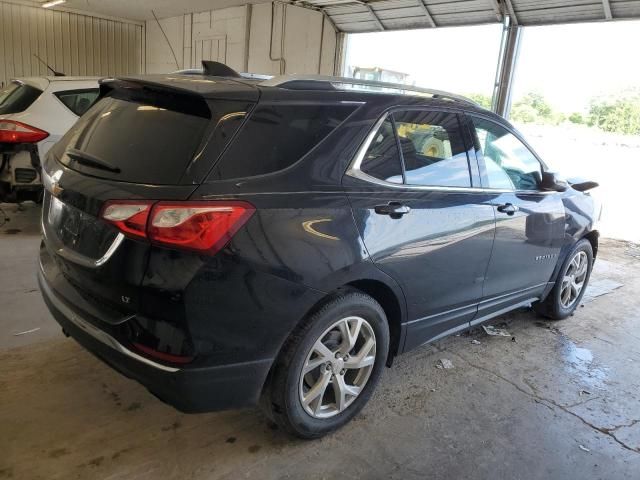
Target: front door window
{"points": [[509, 163]]}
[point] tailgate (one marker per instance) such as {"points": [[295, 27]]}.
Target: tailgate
{"points": [[139, 141], [87, 256]]}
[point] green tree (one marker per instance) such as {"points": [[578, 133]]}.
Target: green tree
{"points": [[533, 108], [481, 99], [558, 117], [576, 117], [523, 113], [539, 104], [620, 115], [536, 101]]}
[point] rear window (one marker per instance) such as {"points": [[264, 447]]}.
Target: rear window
{"points": [[78, 101], [276, 136], [143, 137], [16, 97]]}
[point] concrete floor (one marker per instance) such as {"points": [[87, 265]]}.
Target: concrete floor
{"points": [[559, 402]]}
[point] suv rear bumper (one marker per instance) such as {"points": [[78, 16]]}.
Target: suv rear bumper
{"points": [[189, 390]]}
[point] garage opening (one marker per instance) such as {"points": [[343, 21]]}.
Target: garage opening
{"points": [[575, 93]]}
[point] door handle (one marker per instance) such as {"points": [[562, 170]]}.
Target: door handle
{"points": [[393, 209], [508, 208]]}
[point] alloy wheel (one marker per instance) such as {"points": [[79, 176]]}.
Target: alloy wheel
{"points": [[574, 279], [337, 367]]}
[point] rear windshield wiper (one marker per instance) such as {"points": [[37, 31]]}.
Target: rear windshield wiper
{"points": [[91, 161]]}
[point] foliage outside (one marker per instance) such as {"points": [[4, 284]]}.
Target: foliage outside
{"points": [[618, 114], [481, 99]]}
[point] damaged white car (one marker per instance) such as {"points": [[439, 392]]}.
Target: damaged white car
{"points": [[35, 113]]}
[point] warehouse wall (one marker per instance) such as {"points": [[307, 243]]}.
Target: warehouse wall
{"points": [[71, 43], [267, 38]]}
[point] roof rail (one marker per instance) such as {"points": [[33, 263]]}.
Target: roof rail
{"points": [[307, 81]]}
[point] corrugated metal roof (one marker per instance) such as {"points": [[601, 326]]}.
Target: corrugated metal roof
{"points": [[375, 15]]}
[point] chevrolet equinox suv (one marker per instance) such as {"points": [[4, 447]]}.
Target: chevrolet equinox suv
{"points": [[227, 242]]}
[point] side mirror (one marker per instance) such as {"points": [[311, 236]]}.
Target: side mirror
{"points": [[552, 182], [581, 184]]}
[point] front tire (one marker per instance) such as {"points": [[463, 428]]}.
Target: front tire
{"points": [[570, 285], [329, 367]]}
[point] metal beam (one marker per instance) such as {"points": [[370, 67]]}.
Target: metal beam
{"points": [[375, 17], [607, 9], [509, 51], [511, 12], [497, 8], [330, 20], [427, 14]]}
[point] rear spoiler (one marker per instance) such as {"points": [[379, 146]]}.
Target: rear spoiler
{"points": [[155, 94], [221, 88]]}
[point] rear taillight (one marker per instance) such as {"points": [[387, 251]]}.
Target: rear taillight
{"points": [[130, 217], [18, 132], [203, 227], [197, 226]]}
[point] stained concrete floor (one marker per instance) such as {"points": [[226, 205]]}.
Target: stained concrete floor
{"points": [[559, 402]]}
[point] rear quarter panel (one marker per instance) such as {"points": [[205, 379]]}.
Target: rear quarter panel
{"points": [[242, 303]]}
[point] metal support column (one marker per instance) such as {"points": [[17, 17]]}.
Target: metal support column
{"points": [[508, 58]]}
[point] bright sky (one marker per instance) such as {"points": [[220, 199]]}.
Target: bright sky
{"points": [[568, 64]]}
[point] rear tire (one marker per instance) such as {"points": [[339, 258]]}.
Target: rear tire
{"points": [[571, 283], [329, 366]]}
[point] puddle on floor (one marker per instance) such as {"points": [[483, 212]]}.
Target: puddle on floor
{"points": [[579, 361]]}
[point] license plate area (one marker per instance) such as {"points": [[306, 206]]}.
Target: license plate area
{"points": [[77, 230]]}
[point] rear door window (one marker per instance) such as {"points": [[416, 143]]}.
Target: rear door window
{"points": [[275, 136], [78, 101], [382, 158], [433, 148], [143, 137], [16, 97]]}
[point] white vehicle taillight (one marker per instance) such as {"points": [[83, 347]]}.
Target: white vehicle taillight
{"points": [[18, 132]]}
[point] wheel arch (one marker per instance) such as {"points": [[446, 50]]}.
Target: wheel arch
{"points": [[390, 303], [384, 294], [593, 237], [388, 299]]}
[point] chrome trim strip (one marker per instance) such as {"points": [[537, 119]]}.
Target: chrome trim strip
{"points": [[284, 79], [441, 314], [74, 256], [425, 188], [479, 303], [355, 172], [355, 165], [511, 294], [110, 251], [81, 259], [502, 311], [95, 332]]}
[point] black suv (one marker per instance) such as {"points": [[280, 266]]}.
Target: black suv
{"points": [[227, 242]]}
